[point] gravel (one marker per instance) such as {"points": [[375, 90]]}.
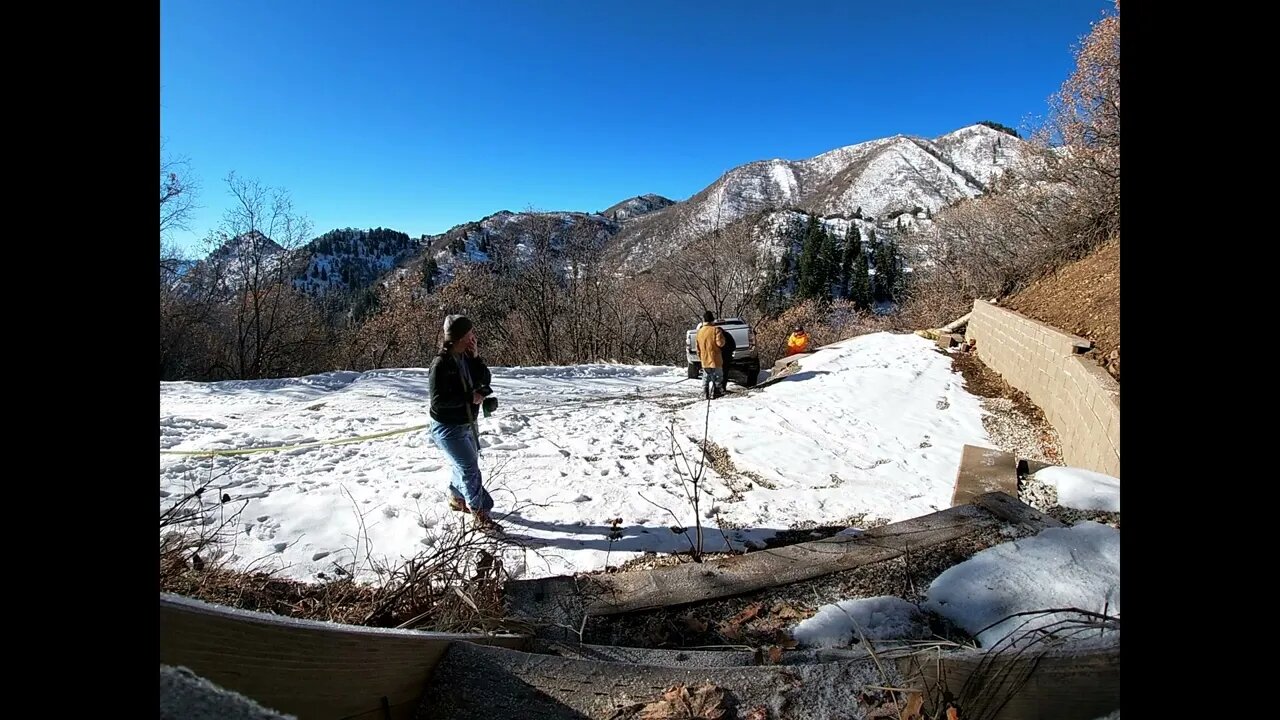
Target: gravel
{"points": [[1044, 497], [1013, 431]]}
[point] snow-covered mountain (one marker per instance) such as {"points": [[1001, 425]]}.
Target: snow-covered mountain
{"points": [[636, 206], [353, 259], [339, 260], [506, 237], [878, 185], [875, 180], [236, 262]]}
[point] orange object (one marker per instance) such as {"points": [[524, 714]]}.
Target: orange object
{"points": [[797, 343]]}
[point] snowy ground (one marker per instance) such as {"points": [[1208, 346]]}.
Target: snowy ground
{"points": [[1071, 567], [1076, 567], [869, 427], [1082, 489]]}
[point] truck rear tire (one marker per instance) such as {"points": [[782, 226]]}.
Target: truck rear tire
{"points": [[694, 369], [753, 374]]}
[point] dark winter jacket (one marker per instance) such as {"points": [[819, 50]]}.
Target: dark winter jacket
{"points": [[726, 352], [451, 398]]}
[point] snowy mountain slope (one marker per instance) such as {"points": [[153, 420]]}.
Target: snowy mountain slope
{"points": [[873, 180]]}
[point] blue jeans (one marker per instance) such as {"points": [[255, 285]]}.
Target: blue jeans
{"points": [[712, 381], [459, 443]]}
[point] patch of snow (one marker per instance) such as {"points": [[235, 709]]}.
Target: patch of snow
{"points": [[878, 619], [1075, 567], [1083, 489]]}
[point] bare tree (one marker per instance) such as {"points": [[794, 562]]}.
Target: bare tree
{"points": [[178, 190], [537, 295], [722, 272], [477, 292], [594, 318], [258, 251], [1062, 206], [186, 310], [401, 333], [1081, 140]]}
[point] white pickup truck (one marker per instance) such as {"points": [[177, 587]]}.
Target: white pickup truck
{"points": [[744, 368]]}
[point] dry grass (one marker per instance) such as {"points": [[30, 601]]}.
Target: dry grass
{"points": [[453, 586], [1007, 666]]}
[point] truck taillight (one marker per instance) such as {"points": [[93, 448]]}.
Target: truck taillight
{"points": [[751, 336]]}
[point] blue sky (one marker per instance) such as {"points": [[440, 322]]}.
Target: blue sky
{"points": [[422, 115]]}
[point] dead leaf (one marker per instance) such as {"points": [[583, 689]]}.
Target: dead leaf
{"points": [[758, 712], [679, 702], [783, 611], [775, 655], [952, 713], [915, 707], [746, 615], [731, 631]]}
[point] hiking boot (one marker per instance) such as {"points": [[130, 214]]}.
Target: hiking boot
{"points": [[485, 523], [458, 505]]}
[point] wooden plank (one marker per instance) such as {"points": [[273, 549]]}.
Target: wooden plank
{"points": [[670, 657], [1014, 511], [785, 366], [302, 667], [958, 323], [1061, 685], [984, 470], [480, 683], [562, 600], [475, 682]]}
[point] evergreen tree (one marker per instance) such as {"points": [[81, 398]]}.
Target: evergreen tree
{"points": [[1001, 127], [888, 283], [830, 265], [852, 250], [812, 267], [860, 284], [770, 299], [366, 304], [429, 270]]}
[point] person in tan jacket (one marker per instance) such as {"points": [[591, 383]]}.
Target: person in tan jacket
{"points": [[710, 340]]}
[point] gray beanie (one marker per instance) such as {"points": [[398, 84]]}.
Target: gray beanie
{"points": [[456, 327]]}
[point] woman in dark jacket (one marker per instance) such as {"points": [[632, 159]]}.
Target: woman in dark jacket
{"points": [[459, 385]]}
